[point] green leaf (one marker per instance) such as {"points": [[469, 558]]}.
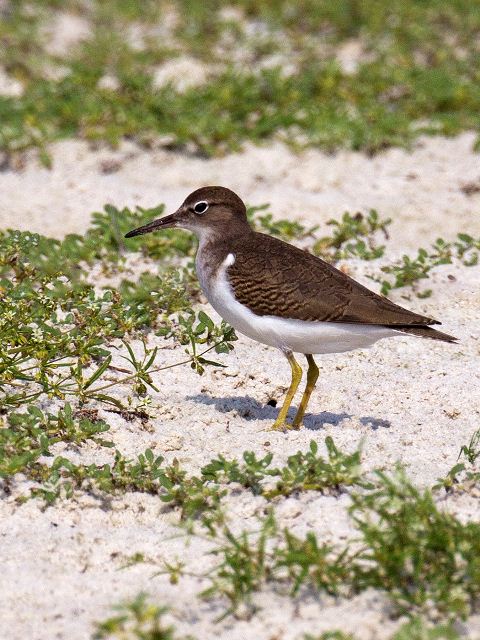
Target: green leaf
{"points": [[101, 397], [99, 372], [206, 320], [211, 362]]}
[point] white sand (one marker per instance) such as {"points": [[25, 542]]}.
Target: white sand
{"points": [[410, 400], [9, 86], [182, 73], [64, 32]]}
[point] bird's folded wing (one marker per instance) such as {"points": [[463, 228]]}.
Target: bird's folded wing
{"points": [[271, 277]]}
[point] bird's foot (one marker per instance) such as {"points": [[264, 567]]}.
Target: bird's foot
{"points": [[283, 426], [296, 426]]}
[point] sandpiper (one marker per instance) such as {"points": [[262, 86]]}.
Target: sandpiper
{"points": [[280, 295]]}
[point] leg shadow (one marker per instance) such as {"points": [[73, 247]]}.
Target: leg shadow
{"points": [[250, 409], [316, 421], [245, 406]]}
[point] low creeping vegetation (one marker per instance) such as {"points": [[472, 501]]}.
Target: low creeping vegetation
{"points": [[410, 270], [354, 237], [464, 476], [27, 436], [272, 70], [302, 472], [67, 331], [250, 561], [424, 560], [31, 435], [140, 619], [62, 341], [137, 620], [415, 629]]}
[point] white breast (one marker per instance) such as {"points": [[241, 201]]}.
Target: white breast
{"points": [[295, 335]]}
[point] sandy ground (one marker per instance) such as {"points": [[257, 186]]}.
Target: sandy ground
{"points": [[410, 400], [423, 191]]}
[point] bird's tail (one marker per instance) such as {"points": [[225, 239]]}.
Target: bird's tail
{"points": [[427, 332]]}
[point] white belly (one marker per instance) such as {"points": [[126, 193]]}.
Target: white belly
{"points": [[295, 335]]}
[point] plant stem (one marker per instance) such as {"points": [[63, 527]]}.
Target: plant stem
{"points": [[169, 366]]}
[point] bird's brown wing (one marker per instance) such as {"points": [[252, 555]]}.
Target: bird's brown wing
{"points": [[271, 277]]}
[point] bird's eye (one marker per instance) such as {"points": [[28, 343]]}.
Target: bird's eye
{"points": [[201, 207]]}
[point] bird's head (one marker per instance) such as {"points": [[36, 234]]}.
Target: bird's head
{"points": [[203, 211]]}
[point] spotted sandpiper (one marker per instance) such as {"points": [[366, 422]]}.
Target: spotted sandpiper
{"points": [[280, 295]]}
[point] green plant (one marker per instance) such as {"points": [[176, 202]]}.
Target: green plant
{"points": [[330, 635], [317, 565], [463, 476], [199, 496], [302, 472], [146, 474], [249, 474], [192, 495], [252, 559], [137, 620], [415, 629], [284, 229], [418, 629], [62, 477], [61, 329], [354, 236], [309, 472], [22, 252], [426, 559], [410, 270], [244, 567], [410, 79], [471, 451], [27, 436]]}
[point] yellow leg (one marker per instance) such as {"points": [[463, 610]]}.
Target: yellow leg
{"points": [[312, 377], [296, 377]]}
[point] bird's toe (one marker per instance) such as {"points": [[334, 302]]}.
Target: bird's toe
{"points": [[283, 426]]}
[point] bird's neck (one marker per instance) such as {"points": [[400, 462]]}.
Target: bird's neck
{"points": [[214, 245], [218, 238]]}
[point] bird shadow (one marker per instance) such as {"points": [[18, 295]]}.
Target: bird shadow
{"points": [[250, 409]]}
